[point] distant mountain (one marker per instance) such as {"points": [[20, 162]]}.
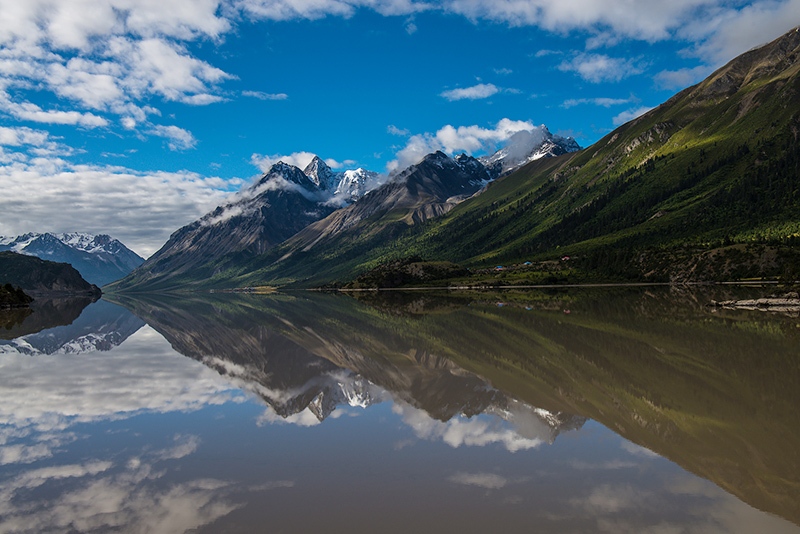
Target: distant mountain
{"points": [[39, 277], [428, 189], [100, 259]]}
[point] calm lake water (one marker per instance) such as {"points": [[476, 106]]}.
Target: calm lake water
{"points": [[604, 410]]}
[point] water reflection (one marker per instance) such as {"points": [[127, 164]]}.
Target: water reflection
{"points": [[43, 313], [421, 412]]}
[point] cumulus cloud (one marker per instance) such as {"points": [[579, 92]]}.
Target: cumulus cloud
{"points": [[453, 139], [629, 115], [140, 209], [476, 92], [99, 496], [596, 68], [116, 54]]}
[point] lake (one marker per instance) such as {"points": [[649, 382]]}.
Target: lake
{"points": [[619, 410]]}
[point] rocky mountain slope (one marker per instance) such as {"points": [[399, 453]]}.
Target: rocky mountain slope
{"points": [[100, 259]]}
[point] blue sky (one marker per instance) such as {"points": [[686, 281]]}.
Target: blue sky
{"points": [[135, 117]]}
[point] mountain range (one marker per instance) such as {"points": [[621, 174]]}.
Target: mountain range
{"points": [[703, 187], [316, 203], [100, 259]]}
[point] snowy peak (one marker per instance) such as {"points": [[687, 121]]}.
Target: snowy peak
{"points": [[355, 184], [526, 146], [323, 177], [290, 173]]}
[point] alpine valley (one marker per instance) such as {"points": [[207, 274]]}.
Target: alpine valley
{"points": [[704, 187]]}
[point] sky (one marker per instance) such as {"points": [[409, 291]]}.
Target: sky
{"points": [[136, 117]]}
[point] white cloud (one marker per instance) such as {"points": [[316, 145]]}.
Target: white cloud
{"points": [[629, 115], [598, 68], [503, 71], [140, 209], [637, 19], [450, 139], [23, 136], [682, 78], [730, 32], [394, 130], [178, 138], [333, 164], [115, 54], [476, 92], [265, 96], [317, 9], [298, 159], [28, 111], [607, 499]]}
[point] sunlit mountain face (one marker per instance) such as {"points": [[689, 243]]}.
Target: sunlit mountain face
{"points": [[580, 411]]}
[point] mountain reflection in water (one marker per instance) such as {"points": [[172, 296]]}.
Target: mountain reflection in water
{"points": [[491, 378]]}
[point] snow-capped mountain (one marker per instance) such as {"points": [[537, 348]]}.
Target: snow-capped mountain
{"points": [[346, 186], [100, 259], [428, 189], [323, 176], [355, 184], [526, 146]]}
